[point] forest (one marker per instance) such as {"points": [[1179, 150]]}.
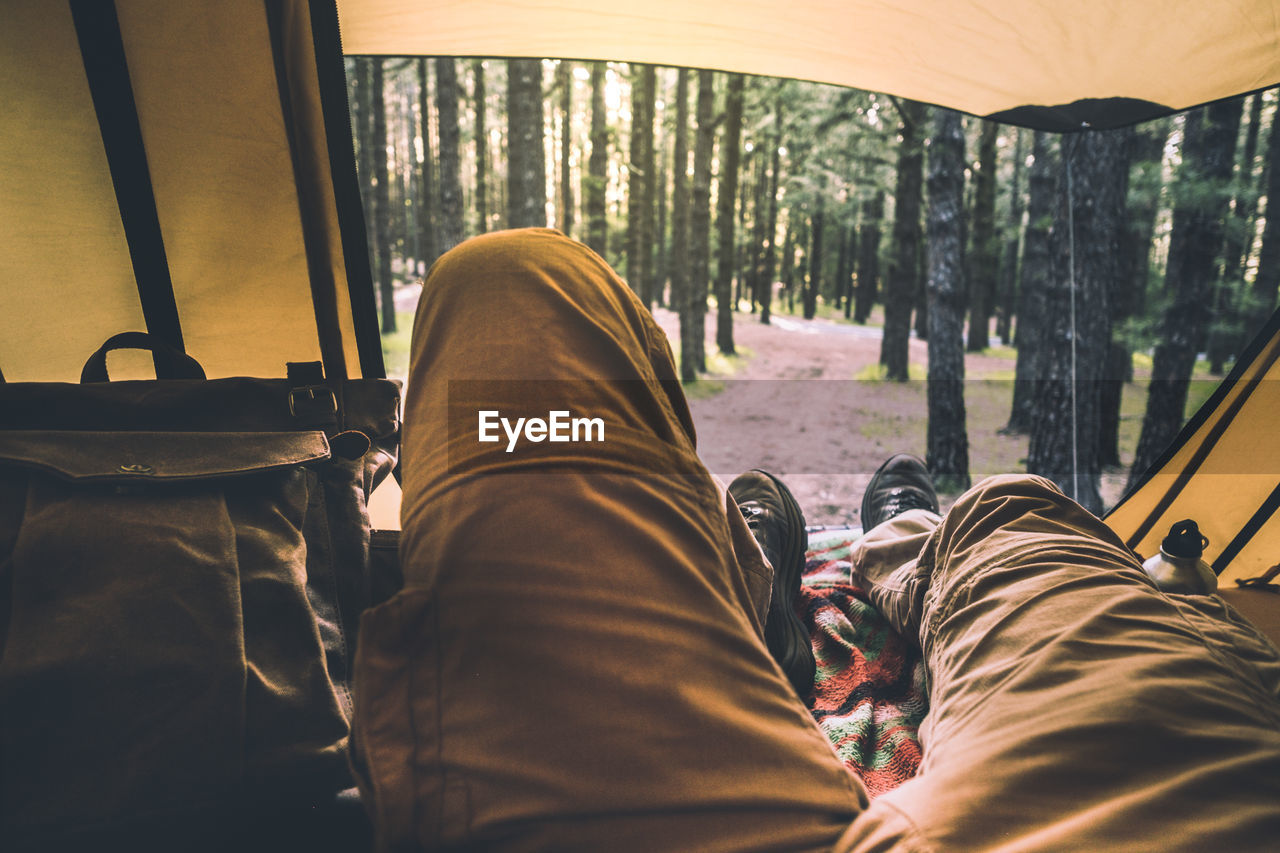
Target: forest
{"points": [[719, 195]]}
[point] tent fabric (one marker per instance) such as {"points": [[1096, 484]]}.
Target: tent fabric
{"points": [[984, 57], [245, 193], [1223, 471]]}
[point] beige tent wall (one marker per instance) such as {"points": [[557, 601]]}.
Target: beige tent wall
{"points": [[224, 181]]}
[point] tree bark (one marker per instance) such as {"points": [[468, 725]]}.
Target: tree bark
{"points": [[564, 211], [986, 248], [730, 154], [382, 199], [771, 219], [869, 257], [450, 154], [482, 148], [680, 283], [907, 199], [1009, 269], [1222, 336], [1199, 208], [1146, 153], [947, 441], [815, 259], [526, 162], [1262, 295], [1042, 189], [597, 177], [700, 221], [848, 279], [1065, 411], [649, 171]]}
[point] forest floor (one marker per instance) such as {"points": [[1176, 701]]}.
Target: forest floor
{"points": [[806, 403], [804, 400]]}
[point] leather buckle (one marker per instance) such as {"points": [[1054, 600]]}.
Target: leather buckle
{"points": [[314, 404]]}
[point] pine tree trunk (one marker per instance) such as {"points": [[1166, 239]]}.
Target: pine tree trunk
{"points": [[482, 148], [869, 256], [947, 439], [450, 154], [730, 154], [362, 109], [842, 267], [1009, 268], [680, 282], [771, 220], [1221, 335], [565, 205], [1201, 204], [1262, 295], [907, 199], [662, 247], [852, 239], [986, 252], [1064, 432], [597, 177], [382, 199], [648, 169], [1029, 371], [817, 226], [635, 182], [1253, 180], [526, 162], [700, 221], [1145, 151]]}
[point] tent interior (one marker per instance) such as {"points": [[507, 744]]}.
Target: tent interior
{"points": [[227, 125], [188, 169], [176, 167]]}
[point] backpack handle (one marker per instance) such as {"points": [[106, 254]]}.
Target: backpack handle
{"points": [[170, 363]]}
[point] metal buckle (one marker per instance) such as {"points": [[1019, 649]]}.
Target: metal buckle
{"points": [[314, 403]]}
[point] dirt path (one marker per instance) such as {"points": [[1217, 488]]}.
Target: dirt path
{"points": [[796, 409]]}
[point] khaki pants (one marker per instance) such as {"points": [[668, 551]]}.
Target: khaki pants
{"points": [[576, 660]]}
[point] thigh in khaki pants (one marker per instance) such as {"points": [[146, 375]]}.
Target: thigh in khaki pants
{"points": [[576, 660]]}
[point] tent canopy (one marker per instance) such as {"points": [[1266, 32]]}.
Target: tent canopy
{"points": [[1046, 63], [187, 168]]}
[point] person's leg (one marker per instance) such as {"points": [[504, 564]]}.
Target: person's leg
{"points": [[576, 661], [1072, 705]]}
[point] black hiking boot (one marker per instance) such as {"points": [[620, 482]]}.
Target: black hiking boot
{"points": [[776, 522], [900, 484]]}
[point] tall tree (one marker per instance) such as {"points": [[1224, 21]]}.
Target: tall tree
{"points": [[771, 216], [450, 153], [564, 206], [818, 225], [1146, 153], [428, 241], [1262, 295], [596, 180], [700, 215], [1084, 245], [680, 283], [946, 436], [1200, 205], [903, 269], [482, 148], [986, 248], [1221, 332], [852, 254], [1033, 284], [730, 154], [526, 162], [381, 198], [648, 171], [636, 185], [869, 256], [1009, 268]]}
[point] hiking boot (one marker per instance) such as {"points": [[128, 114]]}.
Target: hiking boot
{"points": [[776, 522], [900, 484]]}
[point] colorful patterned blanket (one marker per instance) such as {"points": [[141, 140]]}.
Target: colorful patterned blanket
{"points": [[869, 694]]}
